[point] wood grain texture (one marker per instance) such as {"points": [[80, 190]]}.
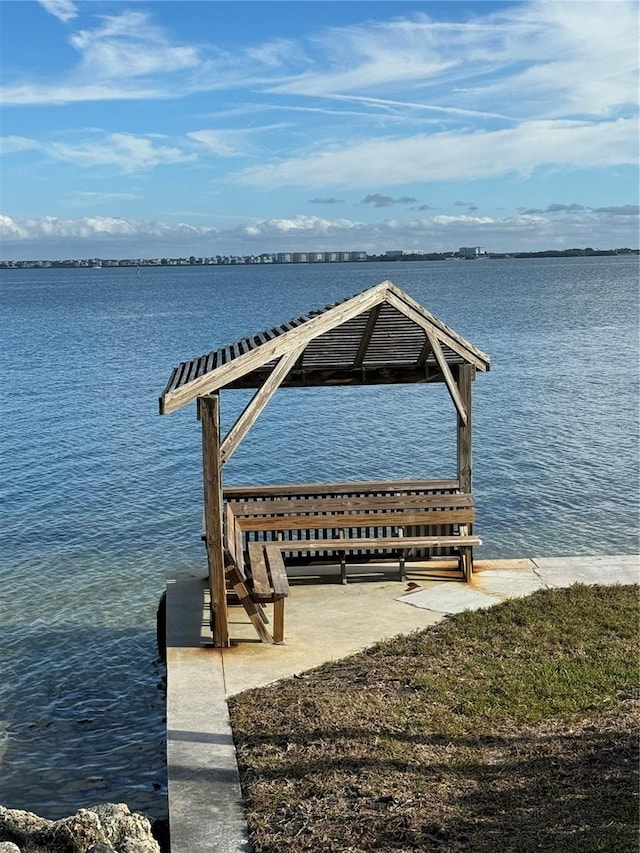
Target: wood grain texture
{"points": [[374, 337], [210, 418]]}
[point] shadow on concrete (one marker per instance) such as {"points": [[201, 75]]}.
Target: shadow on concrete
{"points": [[189, 625], [199, 737]]}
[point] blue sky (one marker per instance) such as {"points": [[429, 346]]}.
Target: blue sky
{"points": [[145, 129]]}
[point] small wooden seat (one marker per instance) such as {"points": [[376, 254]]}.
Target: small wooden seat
{"points": [[464, 544], [270, 582], [266, 581]]}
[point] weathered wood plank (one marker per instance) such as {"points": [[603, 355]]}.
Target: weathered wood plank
{"points": [[383, 543], [351, 487], [279, 506], [259, 574], [279, 346], [366, 335], [251, 608], [210, 415], [464, 429], [448, 376], [424, 352], [277, 570], [229, 540], [336, 521], [257, 404]]}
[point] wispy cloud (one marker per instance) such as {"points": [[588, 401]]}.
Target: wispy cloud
{"points": [[224, 143], [544, 59], [11, 144], [86, 198], [130, 45], [563, 58], [64, 10], [454, 155], [122, 151], [127, 56], [403, 108], [232, 142], [575, 208], [564, 208]]}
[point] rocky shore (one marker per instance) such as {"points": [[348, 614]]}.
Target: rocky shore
{"points": [[105, 828]]}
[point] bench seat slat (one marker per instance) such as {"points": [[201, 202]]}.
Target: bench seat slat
{"points": [[261, 585], [382, 543], [277, 570]]}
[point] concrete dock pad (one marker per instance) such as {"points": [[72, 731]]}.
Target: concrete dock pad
{"points": [[324, 621], [205, 801]]}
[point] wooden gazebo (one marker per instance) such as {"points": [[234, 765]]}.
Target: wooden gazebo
{"points": [[380, 336]]}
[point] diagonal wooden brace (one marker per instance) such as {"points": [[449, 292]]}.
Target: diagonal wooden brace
{"points": [[256, 615]]}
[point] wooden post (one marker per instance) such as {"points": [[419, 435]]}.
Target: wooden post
{"points": [[465, 466], [209, 408]]}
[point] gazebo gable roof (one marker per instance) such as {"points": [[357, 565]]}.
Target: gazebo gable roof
{"points": [[378, 335]]}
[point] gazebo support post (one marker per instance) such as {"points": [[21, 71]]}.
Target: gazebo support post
{"points": [[465, 466], [209, 411]]}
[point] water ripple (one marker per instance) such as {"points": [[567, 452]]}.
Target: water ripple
{"points": [[100, 497]]}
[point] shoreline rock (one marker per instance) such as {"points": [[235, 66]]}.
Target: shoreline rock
{"points": [[104, 828]]}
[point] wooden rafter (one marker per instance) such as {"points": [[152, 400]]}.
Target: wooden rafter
{"points": [[424, 353], [429, 323], [448, 376], [366, 337], [258, 402]]}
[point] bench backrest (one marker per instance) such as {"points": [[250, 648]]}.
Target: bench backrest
{"points": [[350, 520], [370, 487], [310, 511]]}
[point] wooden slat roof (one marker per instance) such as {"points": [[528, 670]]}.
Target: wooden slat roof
{"points": [[378, 336]]}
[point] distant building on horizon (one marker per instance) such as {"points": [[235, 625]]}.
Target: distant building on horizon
{"points": [[470, 253]]}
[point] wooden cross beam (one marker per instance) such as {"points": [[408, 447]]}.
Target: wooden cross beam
{"points": [[258, 402]]}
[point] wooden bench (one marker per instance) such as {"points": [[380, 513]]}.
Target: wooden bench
{"points": [[356, 524], [266, 583]]}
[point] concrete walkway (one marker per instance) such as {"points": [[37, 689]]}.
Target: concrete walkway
{"points": [[324, 621]]}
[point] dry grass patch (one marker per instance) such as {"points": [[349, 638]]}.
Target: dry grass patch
{"points": [[509, 729]]}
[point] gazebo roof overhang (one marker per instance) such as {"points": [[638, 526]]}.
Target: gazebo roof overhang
{"points": [[378, 336]]}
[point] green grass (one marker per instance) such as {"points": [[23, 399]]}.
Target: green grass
{"points": [[509, 729]]}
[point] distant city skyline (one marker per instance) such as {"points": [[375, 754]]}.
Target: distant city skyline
{"points": [[287, 258], [171, 129]]}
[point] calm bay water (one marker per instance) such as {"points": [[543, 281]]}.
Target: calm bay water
{"points": [[100, 496]]}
